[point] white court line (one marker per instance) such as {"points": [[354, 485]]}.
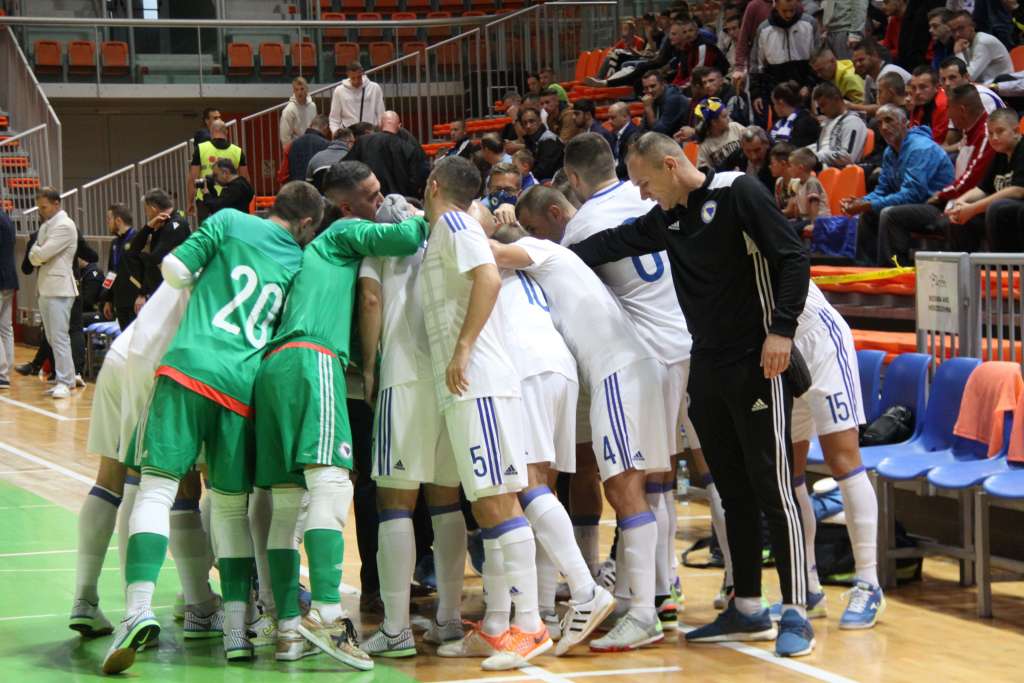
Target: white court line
{"points": [[26, 507], [48, 552], [784, 662], [36, 409], [534, 673], [64, 614], [45, 463], [24, 471], [51, 571]]}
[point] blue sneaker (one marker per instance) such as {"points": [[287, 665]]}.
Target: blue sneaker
{"points": [[796, 637], [424, 574], [816, 607], [865, 607], [475, 546], [734, 625]]}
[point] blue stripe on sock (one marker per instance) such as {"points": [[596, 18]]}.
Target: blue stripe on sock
{"points": [[636, 520], [388, 515], [106, 495], [653, 487], [444, 509], [706, 481], [527, 497], [799, 481], [852, 473], [133, 481], [506, 526], [185, 504], [585, 520]]}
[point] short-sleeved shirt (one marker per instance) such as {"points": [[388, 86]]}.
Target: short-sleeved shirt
{"points": [[534, 344], [1005, 171], [593, 323], [247, 264], [320, 302], [219, 143], [456, 247], [812, 189]]}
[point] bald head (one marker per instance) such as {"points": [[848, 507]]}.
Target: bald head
{"points": [[544, 212], [218, 129], [618, 114], [390, 122]]}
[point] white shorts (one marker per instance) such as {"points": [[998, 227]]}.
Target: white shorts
{"points": [[834, 402], [549, 401], [677, 403], [627, 419], [105, 423], [410, 442], [487, 443], [139, 376]]}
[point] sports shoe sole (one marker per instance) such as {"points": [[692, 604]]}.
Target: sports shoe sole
{"points": [[741, 637], [122, 658], [520, 661], [395, 654], [85, 626], [657, 638], [671, 623], [596, 620], [862, 627], [202, 635], [289, 657], [806, 651], [328, 649], [242, 654]]}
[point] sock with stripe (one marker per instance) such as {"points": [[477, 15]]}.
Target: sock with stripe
{"points": [[283, 555], [147, 545], [261, 510], [497, 601], [656, 501], [585, 529], [330, 497], [639, 539], [95, 527], [555, 550], [810, 522], [229, 521], [718, 524], [519, 555], [396, 554], [449, 560], [124, 514], [191, 552], [861, 523]]}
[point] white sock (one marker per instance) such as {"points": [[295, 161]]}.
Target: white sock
{"points": [[554, 533], [139, 597], [621, 590], [810, 522], [718, 523], [862, 523], [95, 527], [800, 609], [748, 606], [497, 601], [396, 555], [638, 536], [124, 514], [152, 510], [261, 511], [281, 537], [656, 501], [191, 552], [587, 540], [234, 615], [330, 611], [449, 561], [670, 505], [519, 555]]}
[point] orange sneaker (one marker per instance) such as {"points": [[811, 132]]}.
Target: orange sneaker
{"points": [[475, 643], [517, 648]]}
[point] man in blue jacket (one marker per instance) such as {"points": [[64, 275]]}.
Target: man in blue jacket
{"points": [[665, 106], [913, 169], [8, 286]]}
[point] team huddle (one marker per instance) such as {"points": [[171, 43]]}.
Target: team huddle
{"points": [[502, 349]]}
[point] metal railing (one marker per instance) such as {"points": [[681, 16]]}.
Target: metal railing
{"points": [[25, 163], [117, 187], [165, 170], [943, 305], [997, 317]]}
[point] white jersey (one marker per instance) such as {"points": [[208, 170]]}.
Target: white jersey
{"points": [[405, 353], [592, 321], [119, 347], [157, 323], [810, 317], [533, 342], [642, 283], [458, 245]]}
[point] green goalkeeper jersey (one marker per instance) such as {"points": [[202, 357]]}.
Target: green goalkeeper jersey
{"points": [[246, 264], [320, 301]]}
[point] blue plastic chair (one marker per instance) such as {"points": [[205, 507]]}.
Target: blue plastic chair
{"points": [[965, 473], [904, 385], [869, 367]]}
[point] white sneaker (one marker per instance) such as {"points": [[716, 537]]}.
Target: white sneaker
{"points": [[60, 391], [237, 646], [553, 623], [88, 619], [476, 643], [582, 618], [337, 639], [79, 382], [439, 634], [132, 633], [291, 647], [605, 576], [628, 634], [263, 631]]}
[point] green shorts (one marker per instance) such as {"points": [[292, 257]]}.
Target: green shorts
{"points": [[300, 413], [179, 423]]}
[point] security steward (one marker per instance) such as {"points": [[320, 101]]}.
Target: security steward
{"points": [[206, 155]]}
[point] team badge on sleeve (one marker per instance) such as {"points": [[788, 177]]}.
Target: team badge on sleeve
{"points": [[707, 212]]}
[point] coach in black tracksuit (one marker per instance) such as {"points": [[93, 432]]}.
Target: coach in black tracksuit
{"points": [[741, 277]]}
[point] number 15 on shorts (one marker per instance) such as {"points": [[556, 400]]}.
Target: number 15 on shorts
{"points": [[839, 406]]}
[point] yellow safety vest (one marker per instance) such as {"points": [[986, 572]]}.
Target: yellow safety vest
{"points": [[209, 154]]}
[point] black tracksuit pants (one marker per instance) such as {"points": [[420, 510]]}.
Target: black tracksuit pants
{"points": [[744, 425]]}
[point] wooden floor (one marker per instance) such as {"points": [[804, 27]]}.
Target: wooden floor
{"points": [[929, 632]]}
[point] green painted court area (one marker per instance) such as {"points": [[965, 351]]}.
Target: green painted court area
{"points": [[37, 575]]}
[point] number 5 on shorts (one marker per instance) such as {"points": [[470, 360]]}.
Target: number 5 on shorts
{"points": [[479, 461]]}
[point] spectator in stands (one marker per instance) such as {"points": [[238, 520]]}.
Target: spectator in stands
{"points": [[694, 50], [909, 43], [782, 48], [624, 130], [548, 82], [543, 145], [207, 154], [629, 38], [54, 255], [313, 140], [298, 114], [8, 287], [584, 121], [930, 107], [665, 106], [843, 21], [715, 85], [869, 65], [533, 86], [842, 137], [463, 145], [942, 38], [523, 161], [235, 191], [985, 56], [953, 72], [316, 169], [398, 161], [493, 151], [697, 94], [719, 136], [210, 114], [811, 200], [995, 17], [892, 89], [840, 72], [164, 230], [785, 188], [753, 157], [558, 116], [356, 99], [793, 123], [914, 168], [669, 55], [755, 13], [513, 101], [117, 296], [504, 183]]}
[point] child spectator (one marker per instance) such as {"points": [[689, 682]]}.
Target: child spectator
{"points": [[811, 200], [779, 166], [523, 161]]}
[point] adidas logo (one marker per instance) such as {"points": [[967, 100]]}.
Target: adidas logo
{"points": [[758, 405], [638, 456], [399, 466], [510, 471], [513, 591]]}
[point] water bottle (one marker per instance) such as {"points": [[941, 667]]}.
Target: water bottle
{"points": [[682, 483]]}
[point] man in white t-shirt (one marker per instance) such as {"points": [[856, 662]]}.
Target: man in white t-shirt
{"points": [[986, 57], [356, 99], [478, 392]]}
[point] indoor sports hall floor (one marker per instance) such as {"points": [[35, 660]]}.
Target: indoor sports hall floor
{"points": [[929, 632]]}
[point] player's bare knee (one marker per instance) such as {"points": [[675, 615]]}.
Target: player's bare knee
{"points": [[491, 511], [538, 474], [396, 499], [111, 475], [800, 449], [440, 496], [190, 487], [625, 493], [841, 451]]}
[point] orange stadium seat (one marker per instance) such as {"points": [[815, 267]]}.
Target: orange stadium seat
{"points": [[1017, 57], [240, 59], [369, 33], [420, 6], [453, 5], [344, 54], [448, 55], [381, 53], [353, 5], [386, 5], [690, 150], [333, 35], [409, 31], [850, 183], [271, 59], [869, 144], [81, 58], [828, 178], [48, 57], [438, 31], [412, 46], [114, 58], [303, 58], [14, 162]]}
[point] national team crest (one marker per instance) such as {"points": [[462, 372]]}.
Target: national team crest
{"points": [[345, 450], [707, 212]]}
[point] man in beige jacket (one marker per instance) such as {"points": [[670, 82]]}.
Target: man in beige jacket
{"points": [[54, 255]]}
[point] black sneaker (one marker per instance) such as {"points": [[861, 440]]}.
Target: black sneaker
{"points": [[27, 369], [4, 384]]}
